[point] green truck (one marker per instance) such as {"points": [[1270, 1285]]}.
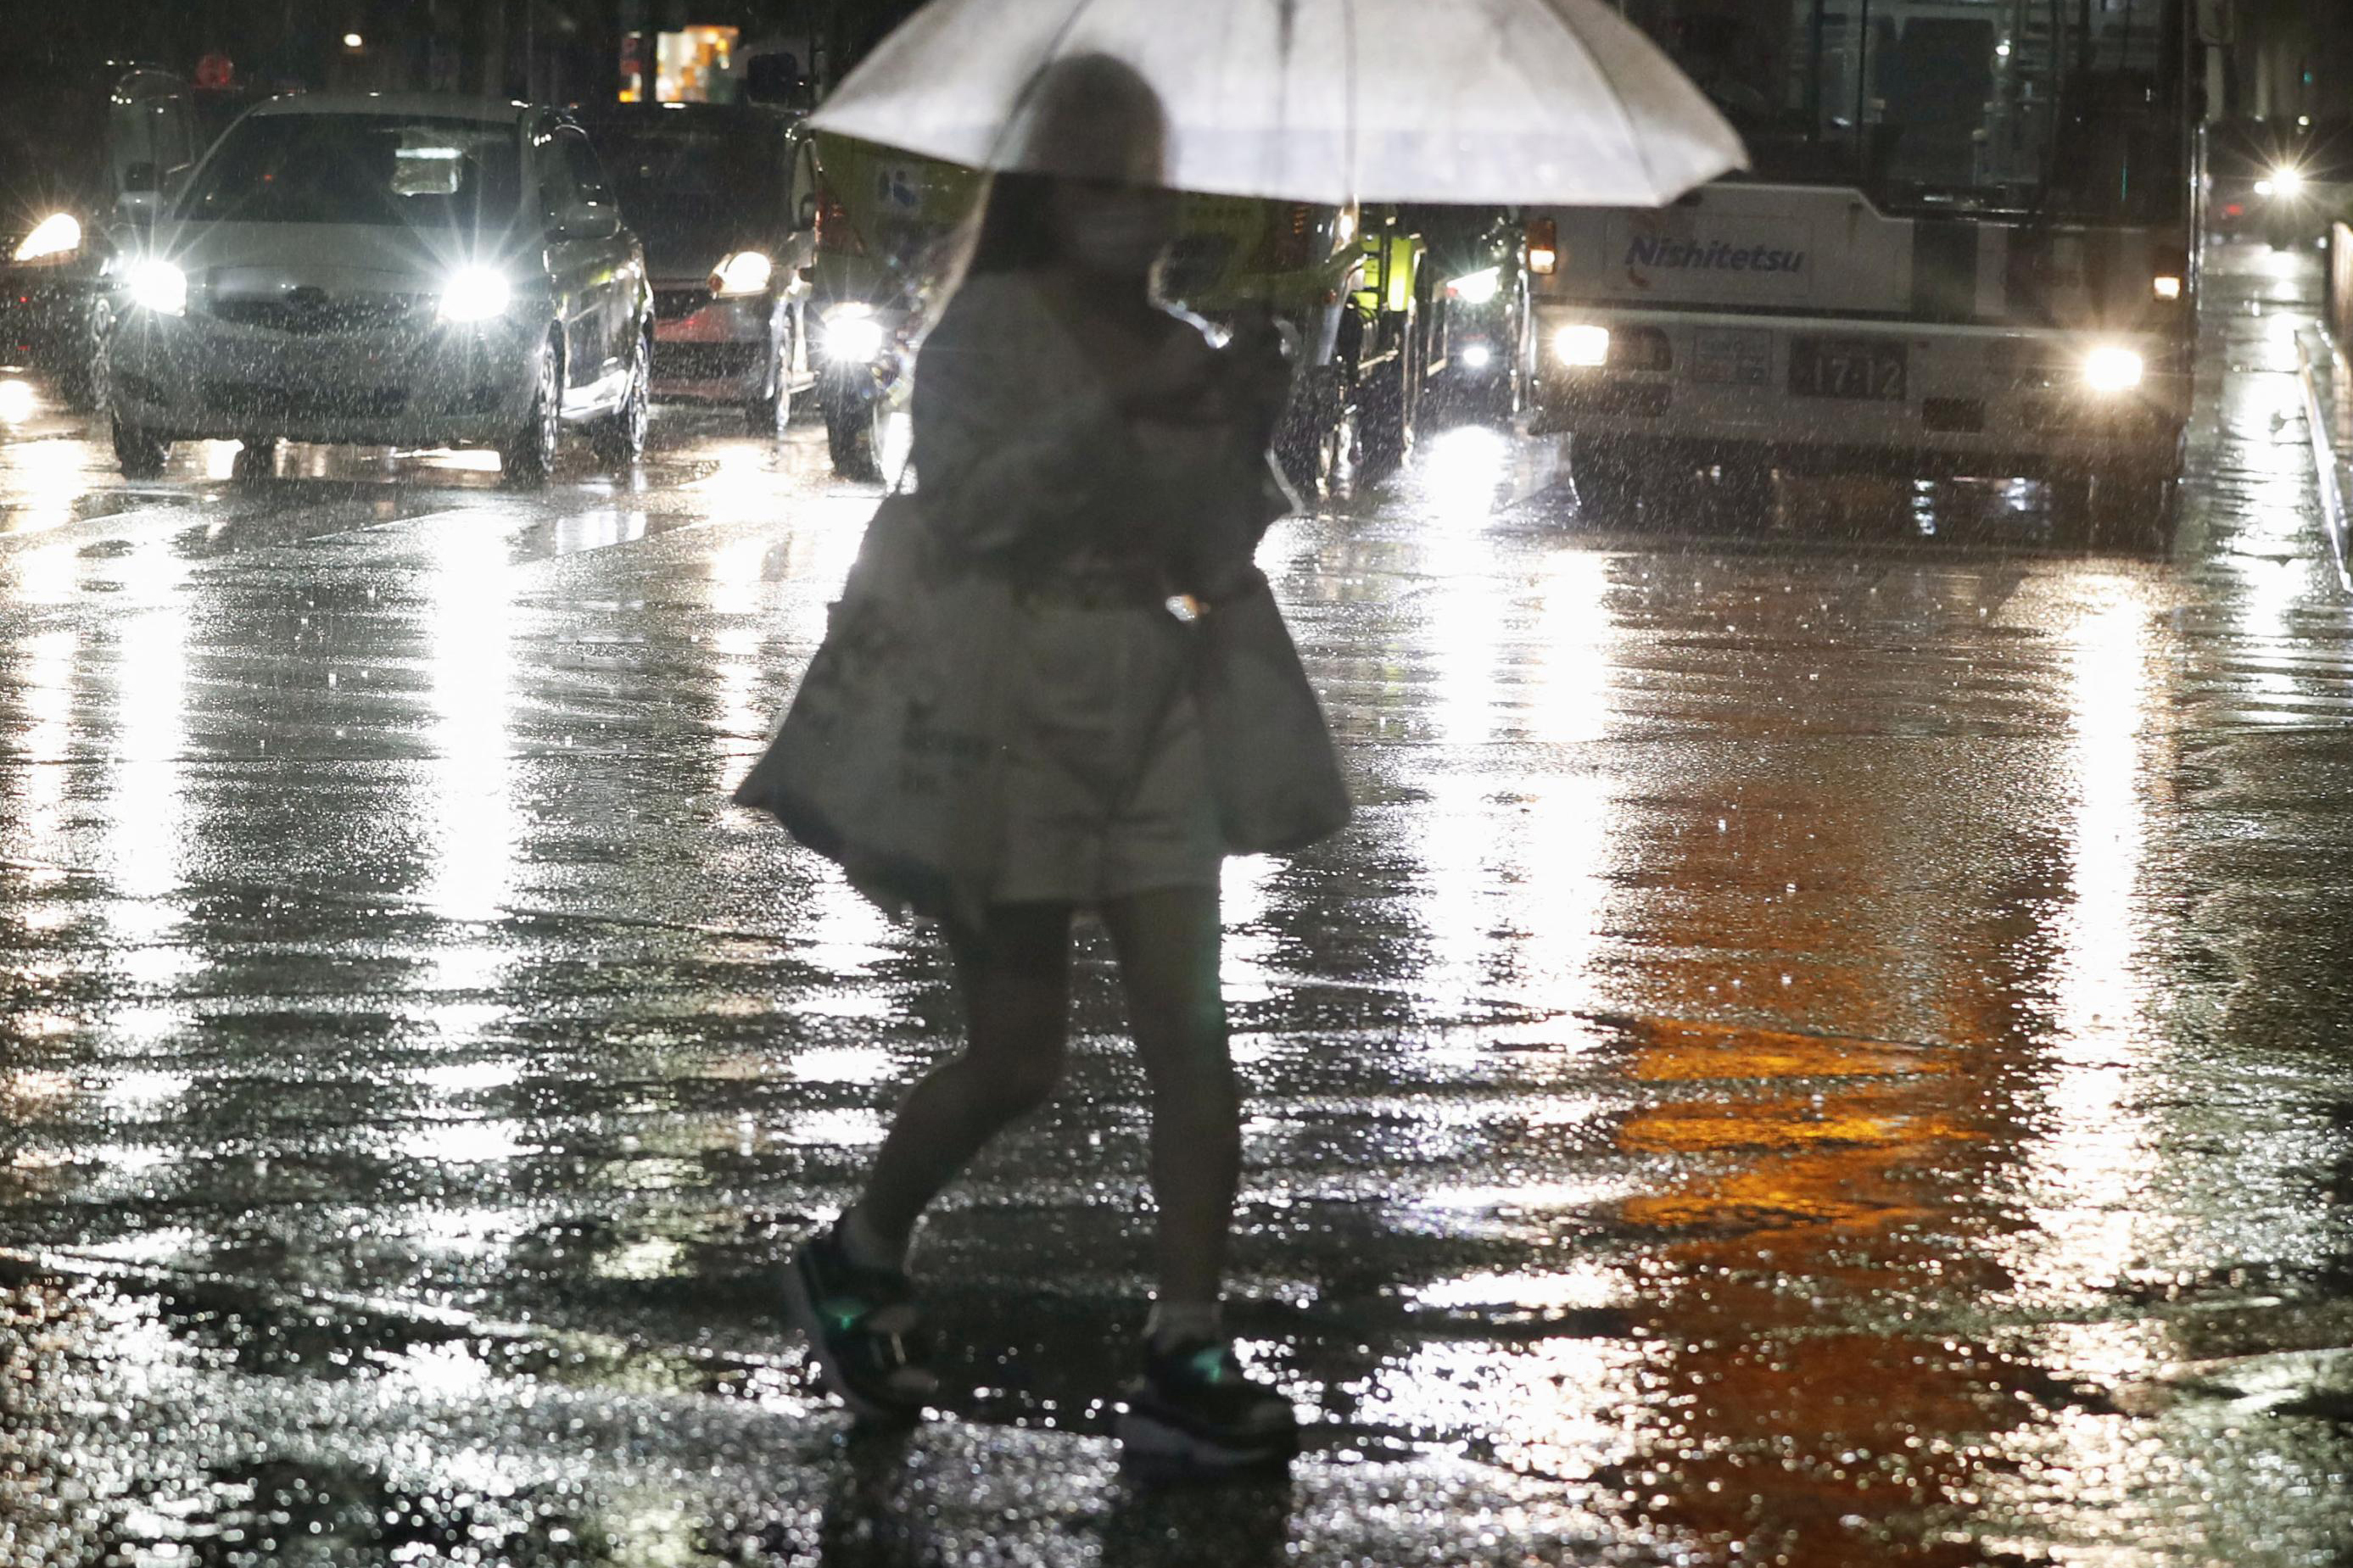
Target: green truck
{"points": [[1382, 309]]}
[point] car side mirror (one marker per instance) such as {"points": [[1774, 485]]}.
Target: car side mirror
{"points": [[587, 222]]}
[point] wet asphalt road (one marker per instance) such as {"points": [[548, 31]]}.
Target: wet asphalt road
{"points": [[1827, 1049]]}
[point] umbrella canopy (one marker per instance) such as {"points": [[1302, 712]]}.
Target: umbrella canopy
{"points": [[1491, 102]]}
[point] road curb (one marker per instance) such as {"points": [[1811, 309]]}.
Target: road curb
{"points": [[2327, 463]]}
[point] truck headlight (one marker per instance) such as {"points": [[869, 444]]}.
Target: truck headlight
{"points": [[1582, 344], [853, 335], [476, 294], [157, 286], [2112, 369], [1477, 288], [745, 272], [59, 234]]}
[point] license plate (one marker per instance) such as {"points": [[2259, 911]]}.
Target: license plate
{"points": [[1846, 367]]}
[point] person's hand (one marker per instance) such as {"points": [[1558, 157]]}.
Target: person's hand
{"points": [[1258, 372], [1177, 382]]}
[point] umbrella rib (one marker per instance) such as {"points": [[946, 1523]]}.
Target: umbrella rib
{"points": [[1626, 118], [1037, 72]]}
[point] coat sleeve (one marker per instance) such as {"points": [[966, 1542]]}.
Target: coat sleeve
{"points": [[1010, 445]]}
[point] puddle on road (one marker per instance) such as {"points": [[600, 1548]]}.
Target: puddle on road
{"points": [[1813, 1052]]}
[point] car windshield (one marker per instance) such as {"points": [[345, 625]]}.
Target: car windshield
{"points": [[1948, 104], [672, 169], [360, 169]]}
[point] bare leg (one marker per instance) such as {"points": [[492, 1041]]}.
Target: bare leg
{"points": [[1167, 942], [1016, 982]]}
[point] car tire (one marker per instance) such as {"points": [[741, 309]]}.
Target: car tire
{"points": [[771, 409], [853, 438], [1616, 477], [1384, 427], [81, 381], [257, 458], [619, 438], [140, 455], [2134, 511], [527, 456]]}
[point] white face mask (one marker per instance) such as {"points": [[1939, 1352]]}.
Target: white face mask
{"points": [[1124, 235]]}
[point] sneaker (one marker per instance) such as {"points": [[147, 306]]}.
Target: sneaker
{"points": [[1195, 1412], [863, 1331]]}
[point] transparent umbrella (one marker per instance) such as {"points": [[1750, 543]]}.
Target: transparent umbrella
{"points": [[1478, 101]]}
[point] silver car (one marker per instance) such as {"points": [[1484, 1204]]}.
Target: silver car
{"points": [[387, 270]]}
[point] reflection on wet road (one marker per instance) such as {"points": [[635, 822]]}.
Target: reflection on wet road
{"points": [[1823, 1048]]}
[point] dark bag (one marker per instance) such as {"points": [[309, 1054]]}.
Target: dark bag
{"points": [[886, 762], [1271, 762]]}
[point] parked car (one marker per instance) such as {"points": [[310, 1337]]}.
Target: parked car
{"points": [[387, 269], [724, 198], [84, 161]]}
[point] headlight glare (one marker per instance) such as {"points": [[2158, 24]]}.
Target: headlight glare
{"points": [[475, 294], [157, 286], [1582, 344], [2112, 369], [59, 234], [1477, 288], [1477, 357], [853, 335], [745, 272], [2283, 182]]}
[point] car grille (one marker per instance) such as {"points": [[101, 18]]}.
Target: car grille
{"points": [[310, 315], [669, 304], [254, 400]]}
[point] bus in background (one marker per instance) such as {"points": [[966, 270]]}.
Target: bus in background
{"points": [[1967, 246]]}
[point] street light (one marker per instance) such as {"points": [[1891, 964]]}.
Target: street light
{"points": [[354, 41]]}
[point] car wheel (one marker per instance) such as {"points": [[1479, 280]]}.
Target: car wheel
{"points": [[1611, 476], [528, 454], [2134, 511], [1385, 431], [257, 458], [140, 455], [82, 381], [772, 409], [853, 438], [620, 437]]}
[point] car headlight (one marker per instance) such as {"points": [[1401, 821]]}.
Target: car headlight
{"points": [[853, 335], [745, 272], [1583, 344], [59, 234], [2283, 183], [2112, 369], [1477, 357], [1477, 288], [157, 286], [476, 294]]}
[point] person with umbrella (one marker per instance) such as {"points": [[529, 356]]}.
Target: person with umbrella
{"points": [[1094, 456], [1095, 450]]}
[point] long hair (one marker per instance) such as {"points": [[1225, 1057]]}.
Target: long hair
{"points": [[1084, 116]]}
